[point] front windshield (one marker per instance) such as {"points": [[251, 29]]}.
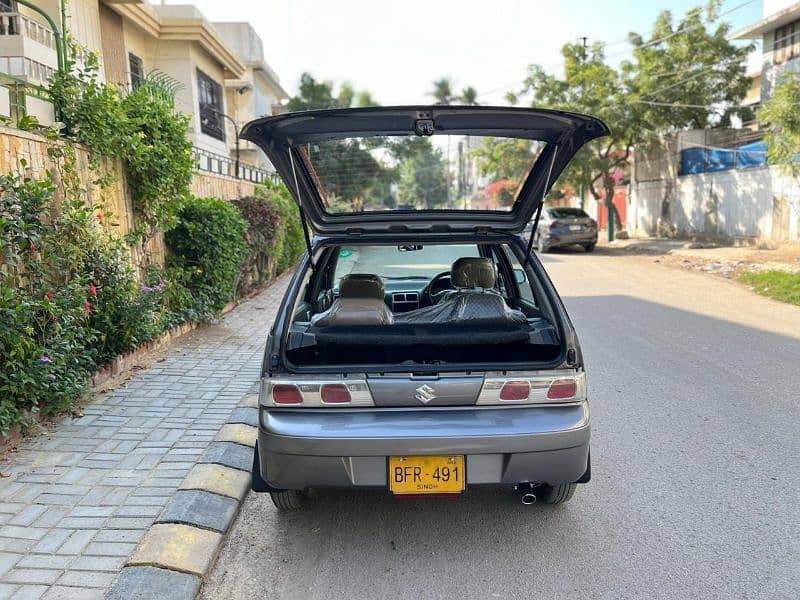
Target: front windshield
{"points": [[393, 262], [420, 173]]}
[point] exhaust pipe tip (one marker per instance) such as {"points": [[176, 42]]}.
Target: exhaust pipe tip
{"points": [[528, 499]]}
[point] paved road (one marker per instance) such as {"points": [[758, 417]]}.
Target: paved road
{"points": [[694, 386]]}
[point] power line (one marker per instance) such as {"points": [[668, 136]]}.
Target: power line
{"points": [[621, 41]]}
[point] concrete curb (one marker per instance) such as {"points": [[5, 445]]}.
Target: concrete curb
{"points": [[178, 551]]}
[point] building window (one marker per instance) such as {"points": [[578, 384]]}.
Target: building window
{"points": [[787, 39], [210, 106], [136, 69]]}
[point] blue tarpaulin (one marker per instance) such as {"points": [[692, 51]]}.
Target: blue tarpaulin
{"points": [[709, 160], [752, 155]]}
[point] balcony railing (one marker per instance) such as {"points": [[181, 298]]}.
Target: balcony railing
{"points": [[209, 162], [17, 96], [13, 23]]}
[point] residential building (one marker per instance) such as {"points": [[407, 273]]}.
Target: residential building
{"points": [[220, 71], [779, 33], [28, 54], [178, 41], [257, 94], [752, 99]]}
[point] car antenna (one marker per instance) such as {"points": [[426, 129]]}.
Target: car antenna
{"points": [[539, 209], [302, 212]]}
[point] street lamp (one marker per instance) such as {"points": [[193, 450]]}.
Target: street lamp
{"points": [[235, 132]]}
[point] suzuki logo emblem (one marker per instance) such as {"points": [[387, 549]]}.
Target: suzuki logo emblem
{"points": [[425, 393]]}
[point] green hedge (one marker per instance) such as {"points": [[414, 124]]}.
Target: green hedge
{"points": [[70, 301], [207, 248]]}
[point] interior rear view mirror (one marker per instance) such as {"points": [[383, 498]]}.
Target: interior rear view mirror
{"points": [[409, 247]]}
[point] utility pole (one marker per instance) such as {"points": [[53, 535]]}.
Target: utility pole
{"points": [[585, 42]]}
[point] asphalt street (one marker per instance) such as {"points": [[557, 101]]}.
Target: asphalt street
{"points": [[694, 385]]}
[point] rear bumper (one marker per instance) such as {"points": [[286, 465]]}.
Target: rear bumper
{"points": [[567, 238], [349, 447]]}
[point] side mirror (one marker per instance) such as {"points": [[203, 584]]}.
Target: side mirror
{"points": [[519, 275]]}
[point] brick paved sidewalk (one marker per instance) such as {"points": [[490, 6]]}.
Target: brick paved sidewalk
{"points": [[79, 499]]}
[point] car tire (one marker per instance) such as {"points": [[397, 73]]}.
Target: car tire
{"points": [[287, 499], [541, 246], [588, 247], [556, 494]]}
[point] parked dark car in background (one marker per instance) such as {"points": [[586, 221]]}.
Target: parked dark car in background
{"points": [[563, 226]]}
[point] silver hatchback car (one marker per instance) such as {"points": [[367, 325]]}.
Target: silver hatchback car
{"points": [[420, 347]]}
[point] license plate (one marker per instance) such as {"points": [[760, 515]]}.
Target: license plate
{"points": [[574, 227], [427, 474]]}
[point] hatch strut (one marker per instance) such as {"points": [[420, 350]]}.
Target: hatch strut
{"points": [[302, 212], [539, 209]]}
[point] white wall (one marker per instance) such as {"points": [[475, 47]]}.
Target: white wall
{"points": [[736, 203]]}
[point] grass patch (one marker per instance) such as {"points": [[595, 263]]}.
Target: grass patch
{"points": [[778, 285]]}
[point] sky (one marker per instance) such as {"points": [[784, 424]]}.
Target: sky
{"points": [[395, 50]]}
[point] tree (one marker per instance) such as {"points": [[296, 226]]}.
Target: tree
{"points": [[504, 158], [422, 176], [443, 91], [313, 95], [346, 168], [690, 66], [696, 72], [781, 117], [318, 95], [469, 96]]}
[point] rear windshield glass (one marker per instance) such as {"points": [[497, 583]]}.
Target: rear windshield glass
{"points": [[567, 213], [401, 262], [441, 172]]}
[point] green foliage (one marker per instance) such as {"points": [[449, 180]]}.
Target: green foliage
{"points": [[423, 177], [504, 158], [68, 297], [686, 62], [689, 62], [781, 117], [159, 154], [779, 285], [142, 128], [207, 245], [264, 222], [290, 241], [443, 93]]}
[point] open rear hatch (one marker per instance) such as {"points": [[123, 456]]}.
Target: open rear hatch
{"points": [[354, 171]]}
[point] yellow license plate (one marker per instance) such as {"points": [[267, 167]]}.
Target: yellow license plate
{"points": [[427, 474]]}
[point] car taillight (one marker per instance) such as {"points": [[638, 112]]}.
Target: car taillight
{"points": [[315, 393], [556, 224], [515, 390], [286, 394], [546, 387], [561, 389], [335, 393]]}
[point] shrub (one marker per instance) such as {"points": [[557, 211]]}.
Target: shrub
{"points": [[207, 248], [290, 242], [69, 300], [46, 343], [261, 261], [142, 127]]}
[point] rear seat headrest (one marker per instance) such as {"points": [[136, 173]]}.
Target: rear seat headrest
{"points": [[472, 272], [361, 285]]}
